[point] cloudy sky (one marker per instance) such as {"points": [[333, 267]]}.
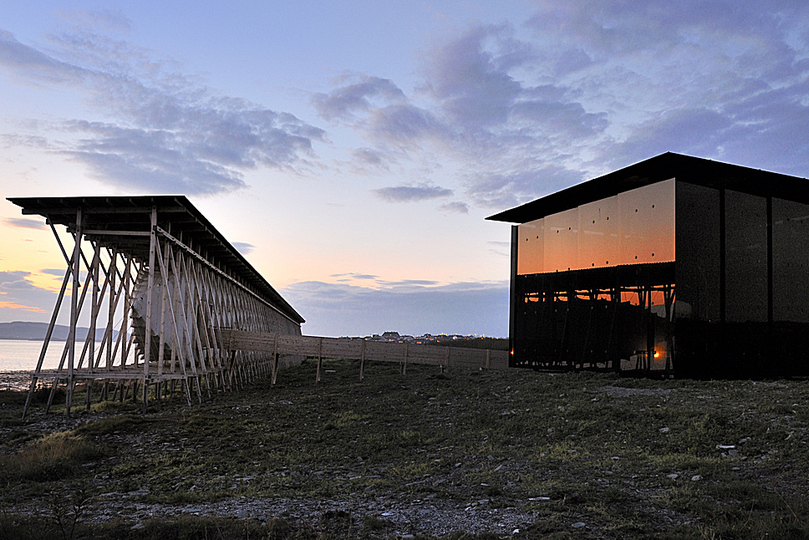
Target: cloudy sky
{"points": [[352, 149]]}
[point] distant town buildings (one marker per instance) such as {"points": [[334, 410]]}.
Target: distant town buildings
{"points": [[424, 339]]}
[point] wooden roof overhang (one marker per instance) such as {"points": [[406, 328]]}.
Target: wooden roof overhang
{"points": [[123, 223], [683, 168]]}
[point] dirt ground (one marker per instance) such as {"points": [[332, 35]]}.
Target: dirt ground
{"points": [[512, 454]]}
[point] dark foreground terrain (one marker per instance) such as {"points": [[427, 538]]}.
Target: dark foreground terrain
{"points": [[499, 454]]}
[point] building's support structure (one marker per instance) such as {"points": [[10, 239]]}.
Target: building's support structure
{"points": [[155, 284], [618, 318]]}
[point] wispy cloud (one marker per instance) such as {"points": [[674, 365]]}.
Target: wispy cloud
{"points": [[421, 192], [573, 92], [243, 247], [380, 110], [355, 275], [17, 294], [355, 96], [104, 19], [455, 207], [410, 306], [25, 223], [170, 133]]}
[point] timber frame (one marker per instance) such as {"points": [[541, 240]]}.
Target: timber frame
{"points": [[159, 283]]}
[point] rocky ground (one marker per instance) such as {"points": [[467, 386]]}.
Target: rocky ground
{"points": [[512, 454], [14, 380]]}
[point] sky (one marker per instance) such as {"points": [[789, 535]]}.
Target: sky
{"points": [[351, 150]]}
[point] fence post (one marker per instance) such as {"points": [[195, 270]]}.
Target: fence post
{"points": [[362, 360], [407, 352], [274, 360], [319, 357], [488, 358]]}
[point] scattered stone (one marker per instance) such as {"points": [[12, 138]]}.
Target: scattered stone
{"points": [[664, 430], [673, 476], [696, 478], [579, 525]]}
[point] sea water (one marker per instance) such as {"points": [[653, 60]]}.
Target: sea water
{"points": [[22, 355]]}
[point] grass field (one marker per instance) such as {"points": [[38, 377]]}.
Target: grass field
{"points": [[498, 454]]}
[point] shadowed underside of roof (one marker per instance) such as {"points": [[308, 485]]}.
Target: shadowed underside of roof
{"points": [[120, 223], [683, 168]]}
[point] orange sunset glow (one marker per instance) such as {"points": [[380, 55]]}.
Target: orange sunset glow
{"points": [[634, 227]]}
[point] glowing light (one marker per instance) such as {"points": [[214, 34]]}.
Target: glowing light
{"points": [[657, 354]]}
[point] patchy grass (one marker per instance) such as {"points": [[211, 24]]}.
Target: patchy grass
{"points": [[51, 457], [588, 455]]}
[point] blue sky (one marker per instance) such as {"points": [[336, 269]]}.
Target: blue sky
{"points": [[353, 149]]}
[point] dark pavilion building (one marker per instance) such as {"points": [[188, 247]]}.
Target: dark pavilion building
{"points": [[676, 264]]}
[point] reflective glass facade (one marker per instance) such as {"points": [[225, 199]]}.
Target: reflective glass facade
{"points": [[698, 274], [633, 227], [595, 284]]}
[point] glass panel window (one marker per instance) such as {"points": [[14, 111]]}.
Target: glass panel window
{"points": [[633, 227]]}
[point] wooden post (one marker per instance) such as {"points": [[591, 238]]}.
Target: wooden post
{"points": [[45, 343], [92, 331], [319, 357], [362, 360], [407, 352], [74, 313], [488, 358], [147, 347], [274, 359]]}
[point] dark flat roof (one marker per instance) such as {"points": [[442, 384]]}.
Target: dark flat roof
{"points": [[684, 168], [175, 214]]}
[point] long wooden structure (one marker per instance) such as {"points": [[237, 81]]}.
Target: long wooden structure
{"points": [[158, 282], [362, 350]]}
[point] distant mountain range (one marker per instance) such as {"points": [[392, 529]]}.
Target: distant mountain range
{"points": [[36, 331]]}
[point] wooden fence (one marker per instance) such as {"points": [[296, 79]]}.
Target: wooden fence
{"points": [[362, 350]]}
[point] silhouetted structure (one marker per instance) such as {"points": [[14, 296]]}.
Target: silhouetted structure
{"points": [[676, 263], [162, 283]]}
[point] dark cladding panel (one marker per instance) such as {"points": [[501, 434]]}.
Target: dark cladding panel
{"points": [[697, 279], [745, 258], [790, 261]]}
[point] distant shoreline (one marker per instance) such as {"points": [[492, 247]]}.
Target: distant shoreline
{"points": [[15, 380]]}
